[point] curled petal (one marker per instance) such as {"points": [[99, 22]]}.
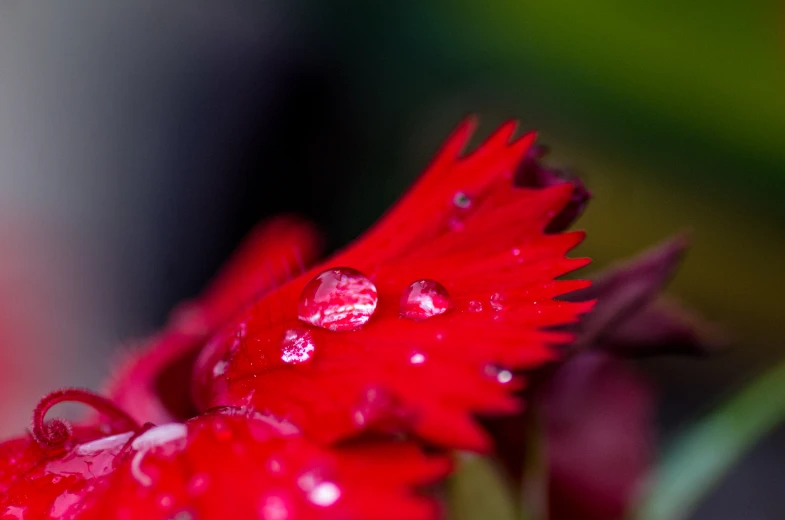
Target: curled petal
{"points": [[227, 464]]}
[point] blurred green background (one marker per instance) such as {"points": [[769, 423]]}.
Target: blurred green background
{"points": [[144, 139]]}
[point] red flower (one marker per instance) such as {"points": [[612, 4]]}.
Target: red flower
{"points": [[466, 248], [414, 328], [226, 464]]}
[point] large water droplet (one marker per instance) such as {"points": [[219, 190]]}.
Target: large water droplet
{"points": [[339, 299], [297, 346], [424, 299]]}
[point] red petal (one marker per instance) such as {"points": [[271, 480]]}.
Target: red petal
{"points": [[463, 225], [152, 383], [229, 464]]}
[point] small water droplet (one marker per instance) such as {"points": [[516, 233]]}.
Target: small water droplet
{"points": [[165, 501], [504, 376], [339, 299], [297, 346], [424, 299], [274, 508], [220, 368], [198, 484], [461, 200], [475, 306], [417, 359], [498, 301], [324, 494]]}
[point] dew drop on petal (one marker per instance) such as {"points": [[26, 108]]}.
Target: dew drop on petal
{"points": [[475, 306], [165, 501], [424, 299], [498, 301], [461, 200], [297, 346], [339, 299], [274, 508], [198, 484], [417, 359], [504, 376], [324, 494]]}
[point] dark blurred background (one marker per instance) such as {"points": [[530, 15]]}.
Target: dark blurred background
{"points": [[140, 141]]}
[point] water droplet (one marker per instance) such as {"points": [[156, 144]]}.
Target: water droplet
{"points": [[499, 374], [220, 368], [498, 301], [324, 494], [424, 299], [273, 508], [339, 299], [165, 501], [475, 306], [417, 359], [198, 484], [504, 376], [297, 346], [461, 200]]}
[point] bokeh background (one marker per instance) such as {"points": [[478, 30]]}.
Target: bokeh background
{"points": [[139, 141]]}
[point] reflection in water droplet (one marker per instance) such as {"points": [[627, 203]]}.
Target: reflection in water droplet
{"points": [[417, 359], [297, 346], [461, 200], [324, 494], [475, 306], [339, 299], [498, 301], [424, 299]]}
